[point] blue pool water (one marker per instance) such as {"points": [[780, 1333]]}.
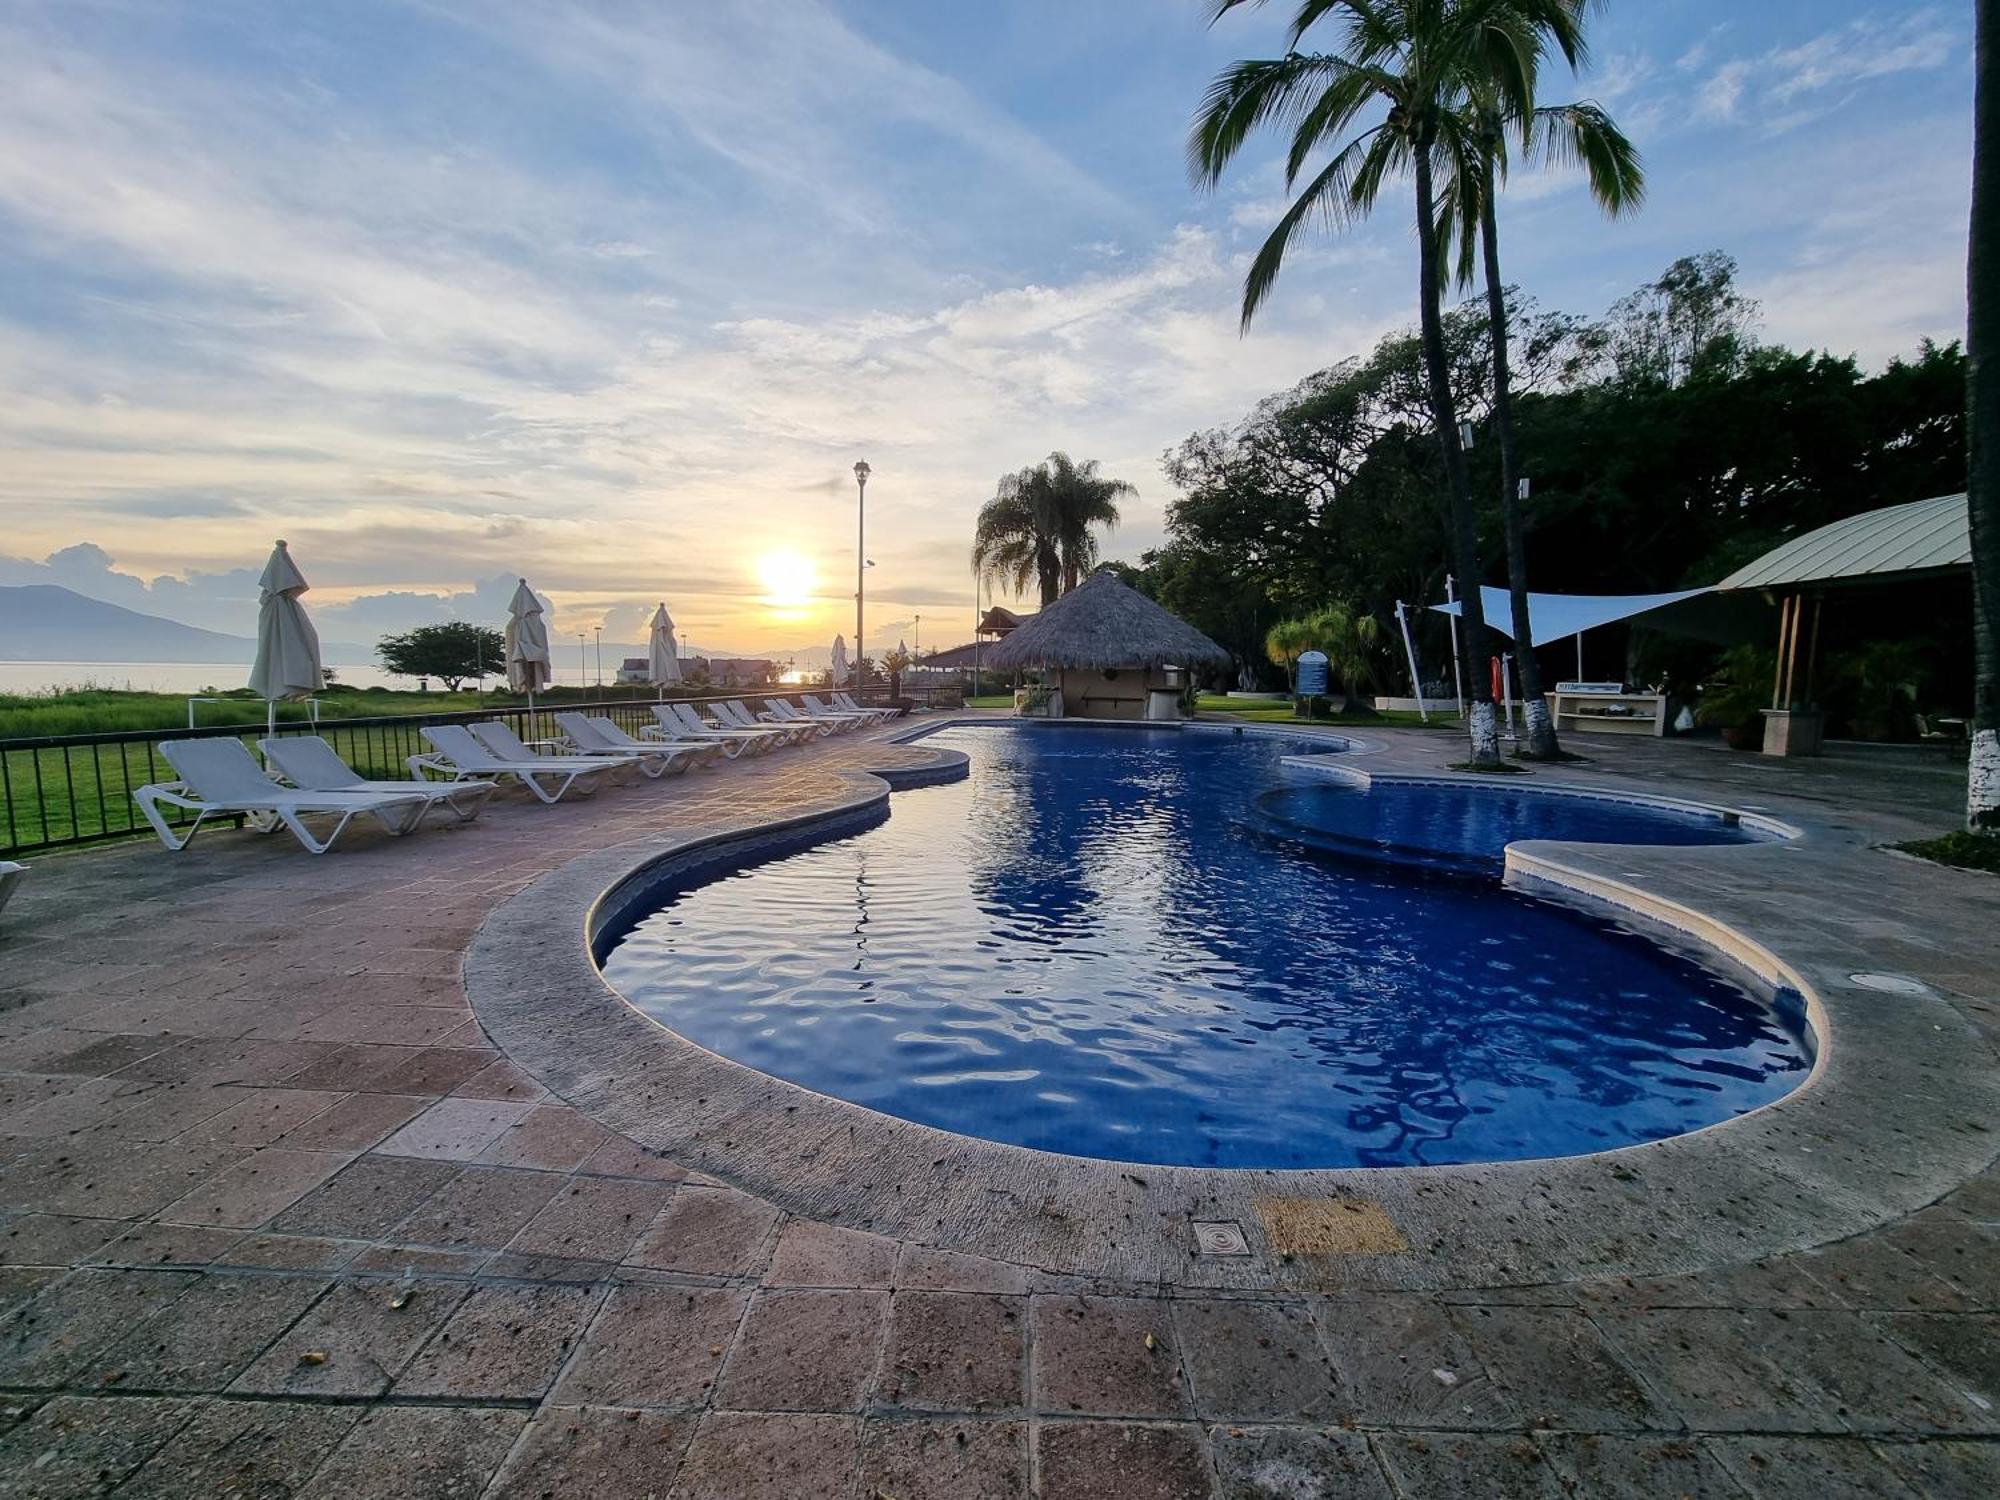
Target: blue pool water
{"points": [[1088, 946], [1466, 828]]}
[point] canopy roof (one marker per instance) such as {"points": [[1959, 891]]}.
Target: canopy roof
{"points": [[1924, 536], [1101, 624], [1556, 617]]}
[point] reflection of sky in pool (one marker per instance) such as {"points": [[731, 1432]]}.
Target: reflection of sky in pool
{"points": [[1085, 948]]}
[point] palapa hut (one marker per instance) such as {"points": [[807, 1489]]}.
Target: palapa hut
{"points": [[1106, 651]]}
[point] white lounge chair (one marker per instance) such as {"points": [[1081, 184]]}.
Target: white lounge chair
{"points": [[846, 704], [598, 736], [220, 778], [499, 737], [782, 712], [458, 756], [680, 724], [733, 712], [815, 709], [10, 876], [310, 763]]}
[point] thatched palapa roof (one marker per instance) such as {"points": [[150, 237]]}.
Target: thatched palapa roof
{"points": [[1102, 623]]}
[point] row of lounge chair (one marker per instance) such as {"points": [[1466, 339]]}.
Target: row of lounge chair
{"points": [[218, 777]]}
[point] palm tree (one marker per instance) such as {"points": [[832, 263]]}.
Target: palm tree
{"points": [[1040, 525], [1407, 65], [1284, 643], [1570, 134], [1982, 424], [1348, 638]]}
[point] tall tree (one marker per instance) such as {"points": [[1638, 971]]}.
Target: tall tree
{"points": [[1041, 525], [1570, 134], [1406, 67], [1982, 422]]}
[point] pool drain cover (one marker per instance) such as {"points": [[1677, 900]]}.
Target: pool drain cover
{"points": [[1890, 984], [1219, 1237]]}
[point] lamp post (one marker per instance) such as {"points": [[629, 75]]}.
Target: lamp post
{"points": [[861, 472], [582, 667], [600, 658]]}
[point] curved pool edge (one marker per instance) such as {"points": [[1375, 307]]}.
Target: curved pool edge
{"points": [[1865, 1139]]}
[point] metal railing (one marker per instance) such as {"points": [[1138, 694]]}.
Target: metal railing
{"points": [[69, 789]]}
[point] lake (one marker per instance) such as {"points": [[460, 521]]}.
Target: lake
{"points": [[192, 677]]}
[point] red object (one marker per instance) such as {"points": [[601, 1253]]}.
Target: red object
{"points": [[1499, 683]]}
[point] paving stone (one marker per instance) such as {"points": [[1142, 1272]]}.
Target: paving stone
{"points": [[420, 1260], [289, 1252], [1637, 1468], [231, 1449], [248, 1194], [112, 1179], [654, 1346], [365, 1198], [1126, 1459], [1709, 1367], [1874, 1385], [205, 1337], [432, 1070], [1965, 1347], [168, 1245], [942, 1459], [553, 1137], [760, 1456], [604, 1453], [503, 1342], [501, 1079], [619, 1157], [1494, 1466], [77, 1445], [1401, 1362], [1252, 1360], [592, 1218], [1801, 1468], [48, 1341], [1967, 1255], [357, 1066], [1296, 1463], [263, 1117], [814, 1254], [1945, 1469], [1558, 1371], [54, 1239], [707, 1231], [418, 1453], [1869, 1272], [20, 1285], [805, 1351], [455, 1129], [920, 1268], [354, 1341], [357, 1122], [481, 1207], [955, 1351], [1113, 1356]]}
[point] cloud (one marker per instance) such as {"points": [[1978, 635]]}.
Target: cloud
{"points": [[1778, 85]]}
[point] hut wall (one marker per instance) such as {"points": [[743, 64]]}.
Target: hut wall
{"points": [[1116, 693]]}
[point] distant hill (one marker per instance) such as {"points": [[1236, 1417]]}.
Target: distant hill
{"points": [[46, 622]]}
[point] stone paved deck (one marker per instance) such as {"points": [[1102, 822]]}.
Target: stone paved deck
{"points": [[280, 1219]]}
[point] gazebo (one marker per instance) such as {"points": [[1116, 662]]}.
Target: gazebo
{"points": [[1106, 651]]}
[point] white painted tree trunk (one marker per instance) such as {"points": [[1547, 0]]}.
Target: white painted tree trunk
{"points": [[1982, 785], [1539, 732], [1485, 726]]}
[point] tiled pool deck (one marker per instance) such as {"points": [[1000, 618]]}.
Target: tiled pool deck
{"points": [[281, 1218]]}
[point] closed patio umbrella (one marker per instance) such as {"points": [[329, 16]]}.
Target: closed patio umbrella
{"points": [[836, 666], [663, 662], [528, 665], [287, 664]]}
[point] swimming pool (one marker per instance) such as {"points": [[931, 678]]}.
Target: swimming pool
{"points": [[1088, 947]]}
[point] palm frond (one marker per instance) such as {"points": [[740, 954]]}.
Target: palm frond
{"points": [[1250, 94]]}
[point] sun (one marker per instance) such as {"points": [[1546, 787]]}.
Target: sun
{"points": [[788, 578]]}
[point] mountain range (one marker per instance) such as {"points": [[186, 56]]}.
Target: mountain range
{"points": [[46, 622]]}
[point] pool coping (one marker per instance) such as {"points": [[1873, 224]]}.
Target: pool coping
{"points": [[1890, 1118]]}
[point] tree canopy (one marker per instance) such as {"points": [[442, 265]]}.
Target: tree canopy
{"points": [[450, 652]]}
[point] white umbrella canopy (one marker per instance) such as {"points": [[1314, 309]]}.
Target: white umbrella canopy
{"points": [[528, 664], [663, 662], [287, 664], [837, 663]]}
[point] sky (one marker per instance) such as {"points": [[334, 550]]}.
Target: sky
{"points": [[612, 294]]}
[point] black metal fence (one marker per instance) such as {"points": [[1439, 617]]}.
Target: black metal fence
{"points": [[61, 790]]}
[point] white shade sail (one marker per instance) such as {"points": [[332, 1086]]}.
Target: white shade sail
{"points": [[1556, 617], [663, 661], [528, 665], [288, 664]]}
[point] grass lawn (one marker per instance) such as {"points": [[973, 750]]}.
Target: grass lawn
{"points": [[1274, 711], [1969, 851]]}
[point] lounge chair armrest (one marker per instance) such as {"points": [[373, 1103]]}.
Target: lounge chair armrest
{"points": [[419, 764], [178, 793]]}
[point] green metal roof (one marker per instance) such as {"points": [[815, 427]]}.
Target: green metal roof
{"points": [[1924, 536]]}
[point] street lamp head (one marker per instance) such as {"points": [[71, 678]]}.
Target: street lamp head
{"points": [[862, 471]]}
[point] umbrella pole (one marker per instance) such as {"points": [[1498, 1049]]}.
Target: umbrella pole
{"points": [[1410, 650]]}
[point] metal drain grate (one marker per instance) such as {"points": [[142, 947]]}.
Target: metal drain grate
{"points": [[1219, 1237]]}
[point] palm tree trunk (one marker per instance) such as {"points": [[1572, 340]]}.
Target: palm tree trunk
{"points": [[1483, 727], [1542, 744], [1982, 424]]}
